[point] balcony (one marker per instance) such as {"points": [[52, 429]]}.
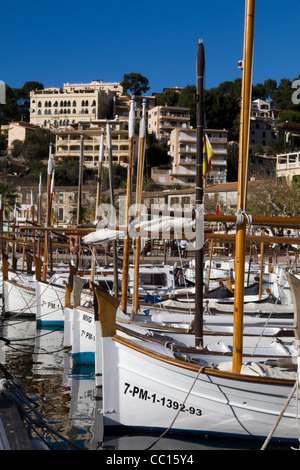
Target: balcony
{"points": [[187, 161]]}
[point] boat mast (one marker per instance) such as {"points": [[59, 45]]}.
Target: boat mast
{"points": [[242, 187], [98, 196], [48, 215], [141, 156], [123, 305], [199, 195], [112, 202]]}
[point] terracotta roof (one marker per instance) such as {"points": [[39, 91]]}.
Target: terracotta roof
{"points": [[289, 126]]}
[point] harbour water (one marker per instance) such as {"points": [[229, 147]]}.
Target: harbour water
{"points": [[70, 402]]}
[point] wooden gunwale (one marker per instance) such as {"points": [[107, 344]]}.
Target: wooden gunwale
{"points": [[27, 288], [203, 369], [166, 328]]}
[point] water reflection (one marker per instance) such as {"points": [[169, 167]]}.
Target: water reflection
{"points": [[69, 400]]}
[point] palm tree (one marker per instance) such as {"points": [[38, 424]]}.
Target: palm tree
{"points": [[9, 196], [86, 215]]}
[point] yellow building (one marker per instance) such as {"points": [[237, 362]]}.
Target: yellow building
{"points": [[55, 107], [18, 130], [183, 149], [68, 141], [163, 119]]}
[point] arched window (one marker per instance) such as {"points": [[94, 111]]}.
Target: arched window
{"points": [[65, 103], [55, 104], [46, 104], [49, 104], [56, 112], [39, 111], [61, 103], [94, 103], [74, 111], [69, 103], [82, 103], [74, 103], [39, 104]]}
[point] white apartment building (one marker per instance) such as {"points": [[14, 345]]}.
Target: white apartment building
{"points": [[54, 107], [163, 119], [183, 148]]}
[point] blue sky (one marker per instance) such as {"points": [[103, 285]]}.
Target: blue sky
{"points": [[74, 41]]}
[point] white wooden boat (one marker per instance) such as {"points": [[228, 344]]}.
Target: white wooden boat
{"points": [[145, 383]]}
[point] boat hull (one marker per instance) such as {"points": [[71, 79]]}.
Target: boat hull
{"points": [[50, 304], [18, 299], [148, 389], [83, 343]]}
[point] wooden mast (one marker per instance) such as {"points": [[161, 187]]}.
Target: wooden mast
{"points": [[50, 233], [98, 196], [80, 184], [123, 305], [112, 202], [48, 215], [199, 196], [39, 216], [141, 156], [242, 187]]}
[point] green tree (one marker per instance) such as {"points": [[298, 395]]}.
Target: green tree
{"points": [[222, 107], [34, 169], [36, 146], [289, 115], [66, 172], [274, 198], [156, 153], [120, 176], [16, 148], [187, 100], [135, 83], [282, 96], [167, 98], [264, 90], [18, 102]]}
